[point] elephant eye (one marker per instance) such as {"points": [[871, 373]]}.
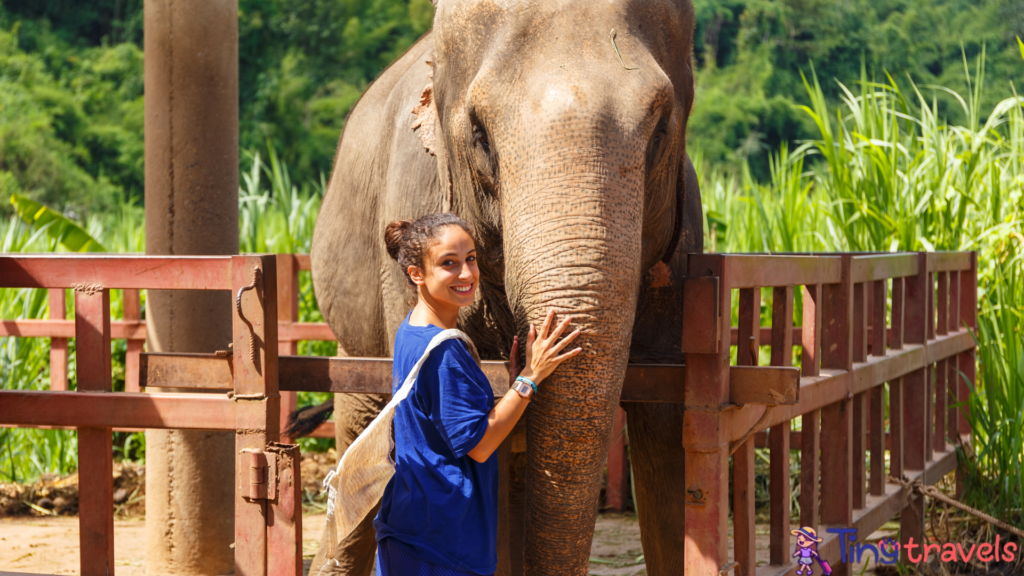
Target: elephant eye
{"points": [[480, 139], [657, 144]]}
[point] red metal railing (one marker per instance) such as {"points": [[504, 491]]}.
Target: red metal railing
{"points": [[849, 357]]}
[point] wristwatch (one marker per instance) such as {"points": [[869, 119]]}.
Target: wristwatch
{"points": [[523, 389]]}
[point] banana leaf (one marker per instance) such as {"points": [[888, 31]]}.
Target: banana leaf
{"points": [[67, 232]]}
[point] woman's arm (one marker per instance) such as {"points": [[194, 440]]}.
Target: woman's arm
{"points": [[541, 359]]}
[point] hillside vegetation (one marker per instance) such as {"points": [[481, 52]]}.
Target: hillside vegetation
{"points": [[71, 90]]}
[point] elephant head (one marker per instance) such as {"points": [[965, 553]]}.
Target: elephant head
{"points": [[559, 131]]}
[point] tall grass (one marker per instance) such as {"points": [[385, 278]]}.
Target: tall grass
{"points": [[886, 173]]}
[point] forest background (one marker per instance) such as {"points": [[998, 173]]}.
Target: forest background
{"points": [[71, 78]]}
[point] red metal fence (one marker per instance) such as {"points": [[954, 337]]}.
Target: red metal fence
{"points": [[859, 339]]}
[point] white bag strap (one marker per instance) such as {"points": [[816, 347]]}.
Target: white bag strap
{"points": [[366, 467]]}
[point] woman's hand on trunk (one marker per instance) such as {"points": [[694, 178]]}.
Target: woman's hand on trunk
{"points": [[542, 351]]}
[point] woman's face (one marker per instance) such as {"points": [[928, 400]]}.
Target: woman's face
{"points": [[450, 275]]}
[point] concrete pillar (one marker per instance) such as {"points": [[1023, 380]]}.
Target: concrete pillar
{"points": [[191, 86]]}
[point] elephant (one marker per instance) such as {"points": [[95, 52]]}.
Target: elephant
{"points": [[558, 130]]}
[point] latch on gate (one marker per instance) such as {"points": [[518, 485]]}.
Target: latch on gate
{"points": [[258, 475]]}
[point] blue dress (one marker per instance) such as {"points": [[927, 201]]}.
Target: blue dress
{"points": [[438, 515]]}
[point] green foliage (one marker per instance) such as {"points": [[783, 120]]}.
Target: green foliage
{"points": [[70, 120], [751, 54], [67, 232]]}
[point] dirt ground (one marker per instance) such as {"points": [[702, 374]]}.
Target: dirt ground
{"points": [[49, 545]]}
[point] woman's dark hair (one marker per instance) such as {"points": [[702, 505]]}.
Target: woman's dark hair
{"points": [[407, 241]]}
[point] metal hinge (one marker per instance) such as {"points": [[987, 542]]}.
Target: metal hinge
{"points": [[258, 475]]}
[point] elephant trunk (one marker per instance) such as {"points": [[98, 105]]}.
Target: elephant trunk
{"points": [[577, 249]]}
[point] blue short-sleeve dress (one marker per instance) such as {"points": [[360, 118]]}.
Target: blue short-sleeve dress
{"points": [[438, 515]]}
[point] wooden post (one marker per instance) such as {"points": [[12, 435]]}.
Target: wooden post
{"points": [[58, 346], [939, 439], [95, 450], [748, 335], [288, 312], [860, 428], [915, 392], [707, 450], [284, 526], [257, 402], [810, 337], [898, 285], [810, 468], [779, 435], [877, 438], [942, 305], [132, 313], [837, 418], [878, 314], [860, 323], [743, 509]]}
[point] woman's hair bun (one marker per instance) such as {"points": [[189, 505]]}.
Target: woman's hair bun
{"points": [[394, 234]]}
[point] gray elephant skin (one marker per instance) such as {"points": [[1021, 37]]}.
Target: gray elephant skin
{"points": [[557, 129]]}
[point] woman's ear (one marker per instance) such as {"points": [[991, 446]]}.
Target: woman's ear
{"points": [[416, 275]]}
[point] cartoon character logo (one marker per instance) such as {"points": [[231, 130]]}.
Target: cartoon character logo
{"points": [[807, 551]]}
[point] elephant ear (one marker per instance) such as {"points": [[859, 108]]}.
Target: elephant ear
{"points": [[426, 116]]}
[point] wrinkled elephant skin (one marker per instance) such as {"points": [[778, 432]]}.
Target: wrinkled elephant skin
{"points": [[558, 130]]}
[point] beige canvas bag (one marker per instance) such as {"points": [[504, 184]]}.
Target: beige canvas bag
{"points": [[366, 467]]}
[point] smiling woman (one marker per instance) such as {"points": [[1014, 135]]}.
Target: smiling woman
{"points": [[438, 513]]}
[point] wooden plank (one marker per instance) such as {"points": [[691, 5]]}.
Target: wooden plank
{"points": [[810, 468], [837, 322], [897, 434], [706, 452], [945, 261], [779, 493], [878, 315], [782, 326], [114, 271], [257, 410], [287, 315], [837, 464], [40, 408], [132, 313], [939, 438], [860, 429], [914, 419], [749, 327], [954, 301], [284, 525], [876, 424], [968, 317], [302, 262], [898, 309], [58, 346], [119, 329], [860, 323], [769, 385], [95, 450], [749, 270], [810, 336], [875, 267], [615, 487], [942, 305], [915, 315], [701, 323], [305, 331], [745, 549]]}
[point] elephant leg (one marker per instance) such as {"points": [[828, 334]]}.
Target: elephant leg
{"points": [[353, 556], [517, 510], [657, 458]]}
